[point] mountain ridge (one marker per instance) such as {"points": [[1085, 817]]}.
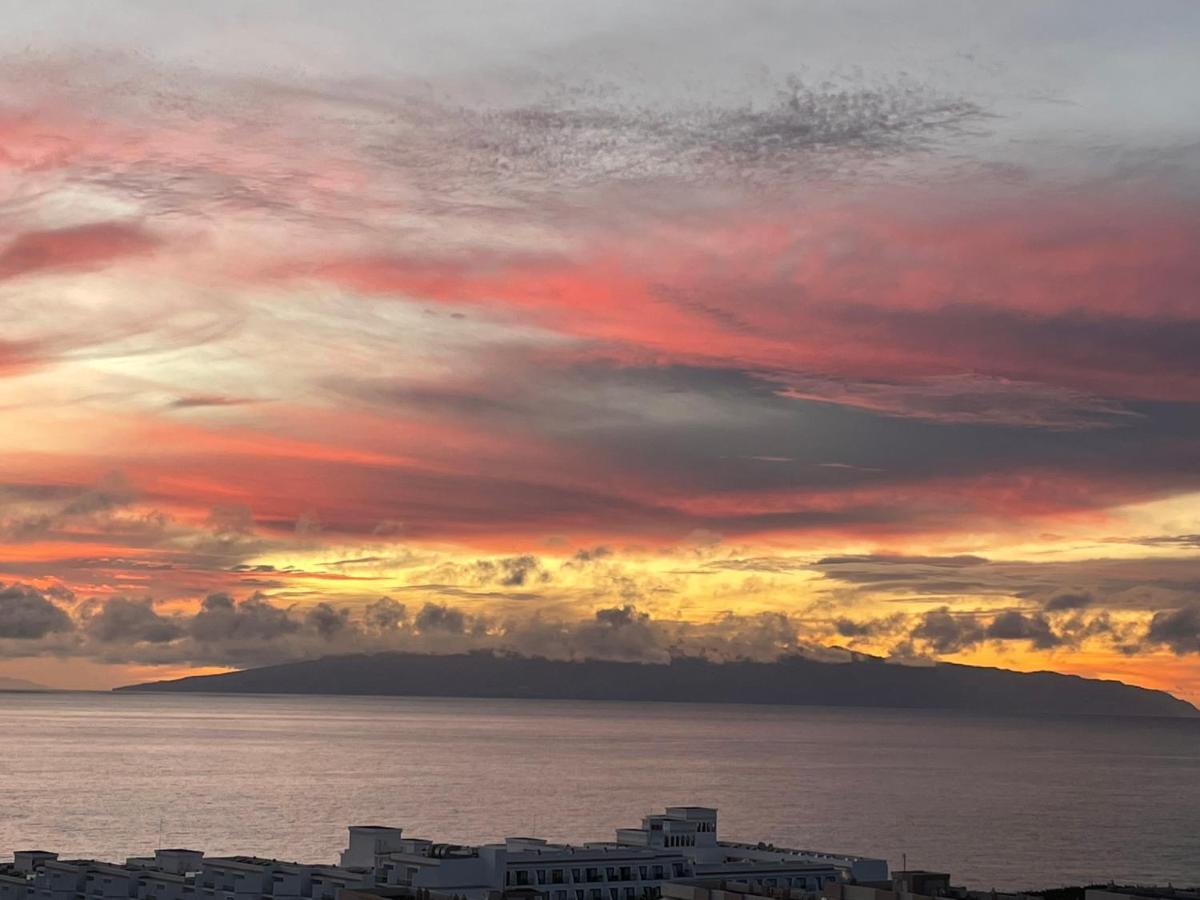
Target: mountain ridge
{"points": [[789, 681], [20, 684]]}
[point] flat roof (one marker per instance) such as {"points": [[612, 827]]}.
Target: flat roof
{"points": [[246, 862]]}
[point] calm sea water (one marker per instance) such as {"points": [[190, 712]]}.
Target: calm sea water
{"points": [[1004, 802]]}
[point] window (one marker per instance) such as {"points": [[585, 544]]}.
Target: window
{"points": [[658, 873], [541, 876], [522, 876], [596, 894], [610, 873], [614, 894], [593, 874], [628, 893], [556, 876], [576, 875], [560, 895], [579, 895], [626, 873], [642, 870]]}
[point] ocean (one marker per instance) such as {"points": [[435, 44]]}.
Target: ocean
{"points": [[1005, 802]]}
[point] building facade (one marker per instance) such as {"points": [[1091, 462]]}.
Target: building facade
{"points": [[680, 843], [676, 845]]}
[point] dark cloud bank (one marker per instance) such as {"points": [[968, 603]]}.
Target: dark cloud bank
{"points": [[255, 631]]}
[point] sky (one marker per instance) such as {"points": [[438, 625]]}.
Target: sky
{"points": [[619, 330]]}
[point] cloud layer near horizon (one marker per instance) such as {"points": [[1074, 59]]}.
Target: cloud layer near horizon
{"points": [[224, 631], [573, 281]]}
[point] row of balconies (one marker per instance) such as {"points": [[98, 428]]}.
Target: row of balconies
{"points": [[590, 875], [629, 892]]}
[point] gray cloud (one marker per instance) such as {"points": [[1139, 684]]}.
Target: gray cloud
{"points": [[200, 401], [1178, 629], [1017, 626], [1080, 627], [1184, 541], [32, 512], [440, 617], [327, 621], [1069, 600], [622, 633], [681, 427], [947, 632], [385, 615], [1132, 583], [516, 571], [124, 620], [591, 133], [26, 614], [254, 631], [762, 636], [112, 492], [587, 555], [220, 618], [943, 631], [852, 629], [507, 572]]}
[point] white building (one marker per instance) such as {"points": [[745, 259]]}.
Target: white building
{"points": [[694, 830], [680, 843], [252, 877], [173, 874]]}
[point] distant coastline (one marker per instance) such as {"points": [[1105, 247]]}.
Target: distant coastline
{"points": [[791, 681], [20, 684]]}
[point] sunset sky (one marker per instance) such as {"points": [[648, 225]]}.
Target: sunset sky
{"points": [[613, 330]]}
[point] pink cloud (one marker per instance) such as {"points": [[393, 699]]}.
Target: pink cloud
{"points": [[78, 247]]}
